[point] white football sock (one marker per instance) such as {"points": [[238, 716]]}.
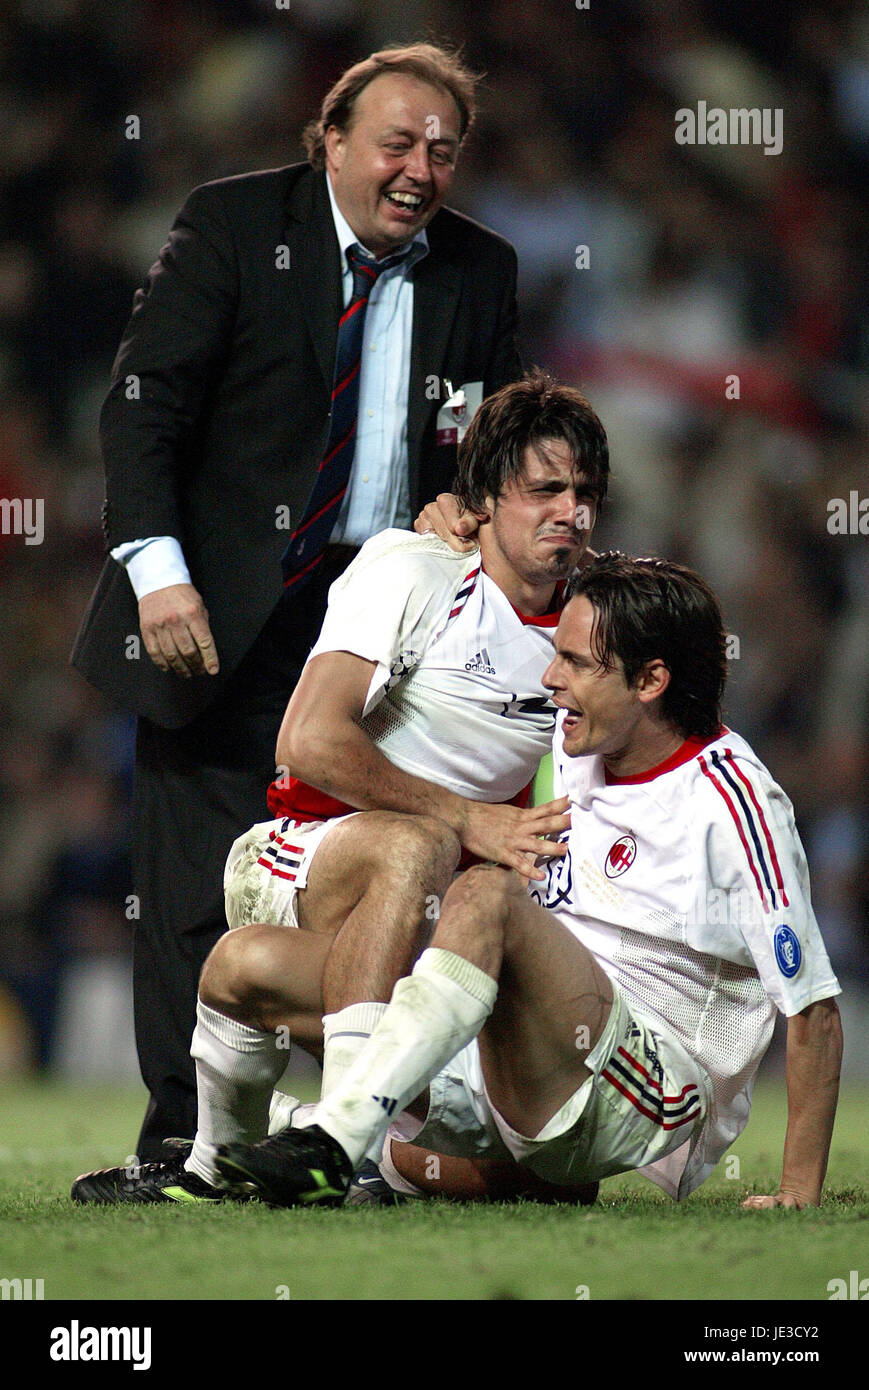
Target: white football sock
{"points": [[344, 1035], [303, 1115], [236, 1071], [390, 1173], [433, 1014], [282, 1110]]}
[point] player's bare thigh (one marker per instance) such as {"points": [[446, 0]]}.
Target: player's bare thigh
{"points": [[268, 975], [553, 997], [375, 852]]}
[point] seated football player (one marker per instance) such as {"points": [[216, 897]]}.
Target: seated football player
{"points": [[416, 726], [621, 1005]]}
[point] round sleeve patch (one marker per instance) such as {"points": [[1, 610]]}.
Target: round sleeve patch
{"points": [[787, 951]]}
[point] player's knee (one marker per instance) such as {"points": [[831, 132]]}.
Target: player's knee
{"points": [[437, 844], [480, 897], [487, 887], [421, 849], [238, 969], [474, 916]]}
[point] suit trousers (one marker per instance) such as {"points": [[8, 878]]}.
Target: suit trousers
{"points": [[196, 789]]}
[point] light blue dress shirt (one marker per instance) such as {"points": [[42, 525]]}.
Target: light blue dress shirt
{"points": [[378, 494]]}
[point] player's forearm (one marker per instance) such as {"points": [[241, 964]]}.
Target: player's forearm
{"points": [[479, 1179], [347, 765], [814, 1054]]}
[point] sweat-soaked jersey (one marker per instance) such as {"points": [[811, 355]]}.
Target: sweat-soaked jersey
{"points": [[456, 696], [690, 886]]}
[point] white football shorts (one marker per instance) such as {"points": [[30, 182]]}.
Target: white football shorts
{"points": [[645, 1097], [267, 866]]}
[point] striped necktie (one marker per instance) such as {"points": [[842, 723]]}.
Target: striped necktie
{"points": [[310, 538]]}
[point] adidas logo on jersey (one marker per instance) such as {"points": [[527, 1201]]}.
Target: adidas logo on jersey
{"points": [[387, 1103], [482, 662]]}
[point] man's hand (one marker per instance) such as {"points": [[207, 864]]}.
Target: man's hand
{"points": [[446, 518], [174, 624], [509, 835], [777, 1199]]}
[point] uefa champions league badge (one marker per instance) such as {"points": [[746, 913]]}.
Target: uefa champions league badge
{"points": [[788, 955]]}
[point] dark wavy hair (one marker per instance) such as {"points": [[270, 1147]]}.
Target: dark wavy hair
{"points": [[528, 411], [652, 609], [440, 67]]}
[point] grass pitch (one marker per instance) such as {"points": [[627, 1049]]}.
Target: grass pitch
{"points": [[634, 1244]]}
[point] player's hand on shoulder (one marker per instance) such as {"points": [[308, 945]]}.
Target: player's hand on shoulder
{"points": [[449, 522], [513, 837], [175, 631]]}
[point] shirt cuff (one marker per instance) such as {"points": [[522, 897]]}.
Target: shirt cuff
{"points": [[152, 564]]}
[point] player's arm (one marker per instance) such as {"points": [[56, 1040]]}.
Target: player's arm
{"points": [[814, 1056], [766, 869], [480, 1179], [321, 741]]}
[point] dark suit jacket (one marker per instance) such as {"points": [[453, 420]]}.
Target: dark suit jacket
{"points": [[218, 411]]}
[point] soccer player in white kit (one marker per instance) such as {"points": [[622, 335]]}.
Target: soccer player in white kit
{"points": [[422, 695], [623, 1005]]}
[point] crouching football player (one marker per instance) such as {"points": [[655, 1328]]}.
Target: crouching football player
{"points": [[422, 707], [622, 1006]]}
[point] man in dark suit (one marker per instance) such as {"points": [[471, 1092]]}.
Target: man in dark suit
{"points": [[214, 433]]}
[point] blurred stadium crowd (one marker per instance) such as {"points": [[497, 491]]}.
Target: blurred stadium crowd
{"points": [[704, 264]]}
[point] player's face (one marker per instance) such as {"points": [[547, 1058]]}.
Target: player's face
{"points": [[603, 713], [393, 167], [540, 524]]}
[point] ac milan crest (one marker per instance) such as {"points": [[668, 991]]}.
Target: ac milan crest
{"points": [[621, 856]]}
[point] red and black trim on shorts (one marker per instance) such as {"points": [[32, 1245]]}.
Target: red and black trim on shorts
{"points": [[634, 1082], [280, 855]]}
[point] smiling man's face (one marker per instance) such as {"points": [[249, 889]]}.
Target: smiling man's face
{"points": [[393, 166], [602, 712]]}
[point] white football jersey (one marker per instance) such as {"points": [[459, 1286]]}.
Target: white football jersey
{"points": [[456, 696], [690, 886]]}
